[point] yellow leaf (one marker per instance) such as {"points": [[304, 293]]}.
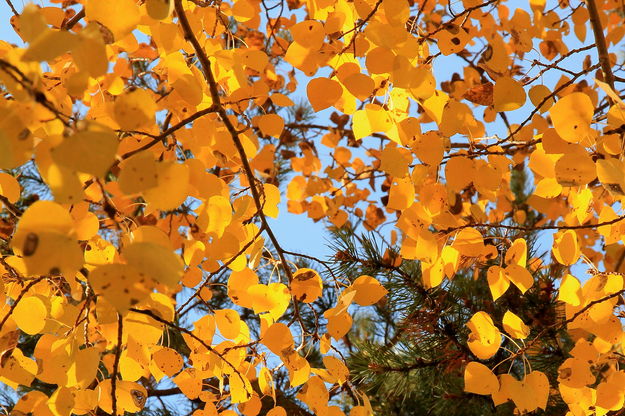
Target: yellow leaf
{"points": [[61, 402], [134, 109], [538, 94], [339, 325], [306, 285], [479, 379], [372, 119], [30, 314], [323, 93], [240, 388], [570, 290], [271, 125], [91, 152], [172, 186], [498, 282], [485, 338], [278, 339], [395, 161], [566, 248], [469, 242], [308, 33], [271, 200], [508, 94], [575, 169], [138, 173], [514, 326], [90, 52], [359, 85], [402, 194], [131, 396], [611, 174], [519, 276], [9, 187], [120, 284], [159, 9], [155, 261], [49, 45], [168, 360], [571, 117], [120, 17], [368, 290], [228, 322], [517, 253]]}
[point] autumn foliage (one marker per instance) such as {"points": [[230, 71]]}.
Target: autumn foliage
{"points": [[146, 146]]}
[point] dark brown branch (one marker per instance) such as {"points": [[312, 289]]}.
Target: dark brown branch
{"points": [[544, 227], [75, 19], [15, 13], [167, 132], [602, 50], [118, 353]]}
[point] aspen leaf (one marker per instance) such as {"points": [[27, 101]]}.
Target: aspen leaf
{"points": [[91, 152], [119, 17], [219, 213], [134, 109], [519, 276], [228, 322], [309, 34], [359, 85], [485, 338], [469, 242], [155, 261], [49, 45], [479, 379], [394, 162], [90, 52], [159, 9], [278, 339], [367, 290], [168, 360], [339, 325], [459, 173], [372, 119], [498, 282], [30, 314], [336, 368], [530, 393], [271, 200], [172, 186], [323, 93], [566, 248], [121, 285], [508, 94], [571, 117], [271, 124], [9, 187], [306, 285], [138, 173], [265, 382], [575, 169], [538, 94], [570, 290], [514, 326], [517, 253], [611, 174], [131, 396], [401, 194]]}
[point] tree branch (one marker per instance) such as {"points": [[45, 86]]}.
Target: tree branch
{"points": [[602, 50]]}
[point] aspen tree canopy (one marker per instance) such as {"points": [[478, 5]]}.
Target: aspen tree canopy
{"points": [[463, 162]]}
